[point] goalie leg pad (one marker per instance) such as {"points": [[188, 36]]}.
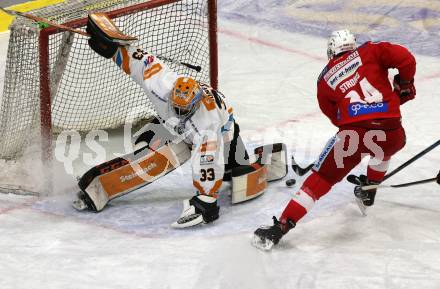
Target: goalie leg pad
{"points": [[274, 157], [248, 182], [123, 175]]}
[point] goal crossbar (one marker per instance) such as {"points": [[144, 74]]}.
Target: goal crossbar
{"points": [[45, 93]]}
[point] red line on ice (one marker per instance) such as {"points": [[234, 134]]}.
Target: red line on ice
{"points": [[294, 51], [10, 209], [283, 48], [271, 44]]}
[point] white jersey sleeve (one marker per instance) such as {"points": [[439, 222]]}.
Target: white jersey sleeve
{"points": [[212, 127], [206, 130], [156, 79]]}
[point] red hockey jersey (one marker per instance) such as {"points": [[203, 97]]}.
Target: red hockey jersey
{"points": [[355, 87]]}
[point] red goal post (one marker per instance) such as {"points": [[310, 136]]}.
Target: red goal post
{"points": [[184, 29]]}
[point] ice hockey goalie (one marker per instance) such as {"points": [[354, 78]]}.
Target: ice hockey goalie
{"points": [[194, 121]]}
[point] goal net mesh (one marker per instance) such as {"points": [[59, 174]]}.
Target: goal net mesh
{"points": [[87, 91]]}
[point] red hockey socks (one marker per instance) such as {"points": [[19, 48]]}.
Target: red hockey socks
{"points": [[377, 169], [314, 187]]}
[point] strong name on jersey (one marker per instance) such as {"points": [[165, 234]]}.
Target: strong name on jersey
{"points": [[353, 87]]}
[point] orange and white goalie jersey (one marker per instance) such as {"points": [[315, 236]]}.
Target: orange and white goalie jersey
{"points": [[205, 131]]}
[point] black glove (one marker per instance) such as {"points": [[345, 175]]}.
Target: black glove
{"points": [[99, 41], [405, 89], [155, 135]]}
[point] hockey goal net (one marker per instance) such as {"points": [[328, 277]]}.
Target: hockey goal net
{"points": [[55, 82]]}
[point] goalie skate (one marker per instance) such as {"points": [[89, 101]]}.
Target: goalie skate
{"points": [[198, 210], [80, 204], [188, 219]]}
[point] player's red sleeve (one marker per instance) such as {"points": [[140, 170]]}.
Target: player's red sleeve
{"points": [[397, 56], [327, 106]]}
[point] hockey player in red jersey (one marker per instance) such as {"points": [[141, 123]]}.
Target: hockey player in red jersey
{"points": [[354, 92]]}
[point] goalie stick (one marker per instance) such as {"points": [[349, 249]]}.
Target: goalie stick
{"points": [[197, 68], [123, 40], [43, 20]]}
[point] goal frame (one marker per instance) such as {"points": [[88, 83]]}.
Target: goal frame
{"points": [[45, 91]]}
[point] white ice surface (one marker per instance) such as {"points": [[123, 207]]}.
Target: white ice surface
{"points": [[270, 77]]}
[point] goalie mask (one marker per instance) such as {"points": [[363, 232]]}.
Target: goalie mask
{"points": [[186, 96], [340, 41]]}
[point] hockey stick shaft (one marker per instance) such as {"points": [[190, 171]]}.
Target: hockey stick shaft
{"points": [[190, 66], [43, 20], [353, 178], [413, 159], [298, 170], [370, 187], [83, 33]]}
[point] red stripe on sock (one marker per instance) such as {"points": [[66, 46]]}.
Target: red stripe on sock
{"points": [[293, 211]]}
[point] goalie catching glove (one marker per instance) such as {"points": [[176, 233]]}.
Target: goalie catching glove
{"points": [[105, 37]]}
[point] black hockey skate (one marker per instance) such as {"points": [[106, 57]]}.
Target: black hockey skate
{"points": [[364, 198], [267, 236], [197, 210]]}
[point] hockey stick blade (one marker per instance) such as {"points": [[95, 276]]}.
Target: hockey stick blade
{"points": [[299, 170]]}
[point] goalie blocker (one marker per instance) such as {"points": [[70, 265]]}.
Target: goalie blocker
{"points": [[121, 176]]}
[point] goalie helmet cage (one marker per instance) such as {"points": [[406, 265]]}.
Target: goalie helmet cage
{"points": [[55, 81]]}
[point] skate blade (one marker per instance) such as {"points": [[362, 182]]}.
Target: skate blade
{"points": [[361, 206], [264, 245], [194, 222]]}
